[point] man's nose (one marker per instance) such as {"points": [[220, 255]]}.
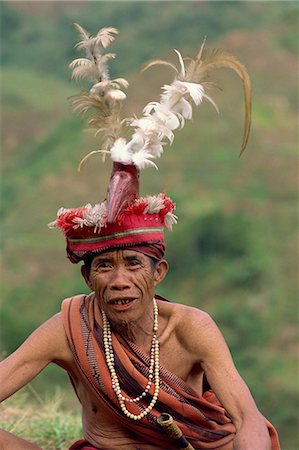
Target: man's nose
{"points": [[119, 280]]}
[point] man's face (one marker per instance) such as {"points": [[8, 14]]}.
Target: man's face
{"points": [[124, 282]]}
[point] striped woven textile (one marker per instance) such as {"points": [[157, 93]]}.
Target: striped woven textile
{"points": [[82, 445], [202, 419]]}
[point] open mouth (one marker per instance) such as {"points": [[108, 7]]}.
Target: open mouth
{"points": [[119, 301]]}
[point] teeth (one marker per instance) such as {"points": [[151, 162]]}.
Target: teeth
{"points": [[121, 302]]}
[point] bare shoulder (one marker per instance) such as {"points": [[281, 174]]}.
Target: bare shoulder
{"points": [[48, 340], [194, 328], [184, 316], [53, 332]]}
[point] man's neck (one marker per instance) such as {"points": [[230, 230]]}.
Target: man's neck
{"points": [[140, 331]]}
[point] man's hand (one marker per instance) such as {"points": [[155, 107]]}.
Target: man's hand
{"points": [[252, 434]]}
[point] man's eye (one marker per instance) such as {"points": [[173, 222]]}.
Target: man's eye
{"points": [[103, 265], [133, 262]]}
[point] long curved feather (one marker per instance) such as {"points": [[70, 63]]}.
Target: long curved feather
{"points": [[182, 65], [199, 69], [84, 34], [86, 157], [231, 62], [156, 62]]}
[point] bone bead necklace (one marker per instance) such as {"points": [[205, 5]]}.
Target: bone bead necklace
{"points": [[153, 368]]}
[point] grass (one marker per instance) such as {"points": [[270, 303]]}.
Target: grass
{"points": [[27, 88], [43, 422]]}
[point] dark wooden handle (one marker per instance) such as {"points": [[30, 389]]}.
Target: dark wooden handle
{"points": [[174, 432]]}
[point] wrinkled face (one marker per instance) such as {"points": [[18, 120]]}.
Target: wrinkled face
{"points": [[124, 282]]}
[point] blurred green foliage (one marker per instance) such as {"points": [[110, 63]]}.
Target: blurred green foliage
{"points": [[43, 422], [233, 252]]}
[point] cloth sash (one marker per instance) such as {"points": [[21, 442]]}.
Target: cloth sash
{"points": [[202, 419], [82, 445]]}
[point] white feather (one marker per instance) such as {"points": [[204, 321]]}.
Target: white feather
{"points": [[142, 159], [93, 216], [115, 95], [120, 151], [155, 204], [81, 72], [52, 225], [105, 36], [156, 148], [195, 90], [169, 220], [80, 62], [62, 211], [184, 108], [212, 102], [121, 82], [163, 114], [98, 88], [183, 71], [146, 124], [138, 141], [172, 94], [152, 127]]}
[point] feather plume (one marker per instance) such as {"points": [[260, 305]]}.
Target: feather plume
{"points": [[209, 60], [104, 99], [194, 77], [83, 33], [155, 128]]}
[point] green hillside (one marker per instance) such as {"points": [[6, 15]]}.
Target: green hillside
{"points": [[234, 251]]}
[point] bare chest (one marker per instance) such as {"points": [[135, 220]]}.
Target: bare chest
{"points": [[175, 359], [99, 425]]}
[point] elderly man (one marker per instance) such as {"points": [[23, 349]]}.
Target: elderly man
{"points": [[132, 355]]}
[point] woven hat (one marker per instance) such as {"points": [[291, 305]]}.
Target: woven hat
{"points": [[124, 219]]}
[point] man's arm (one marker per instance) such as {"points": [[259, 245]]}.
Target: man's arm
{"points": [[206, 341], [46, 344]]}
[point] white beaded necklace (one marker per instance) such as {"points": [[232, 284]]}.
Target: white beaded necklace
{"points": [[153, 368]]}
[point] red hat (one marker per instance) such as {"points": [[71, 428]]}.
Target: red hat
{"points": [[140, 223]]}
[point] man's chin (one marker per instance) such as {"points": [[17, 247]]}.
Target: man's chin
{"points": [[125, 327]]}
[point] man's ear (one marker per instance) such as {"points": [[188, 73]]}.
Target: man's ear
{"points": [[160, 271], [85, 274]]}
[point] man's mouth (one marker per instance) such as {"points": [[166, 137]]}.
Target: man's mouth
{"points": [[121, 301]]}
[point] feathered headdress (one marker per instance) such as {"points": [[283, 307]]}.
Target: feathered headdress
{"points": [[149, 133]]}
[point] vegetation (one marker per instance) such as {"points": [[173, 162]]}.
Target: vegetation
{"points": [[43, 422], [233, 252]]}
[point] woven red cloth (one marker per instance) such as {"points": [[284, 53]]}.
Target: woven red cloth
{"points": [[141, 223], [202, 419], [136, 230], [83, 445]]}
